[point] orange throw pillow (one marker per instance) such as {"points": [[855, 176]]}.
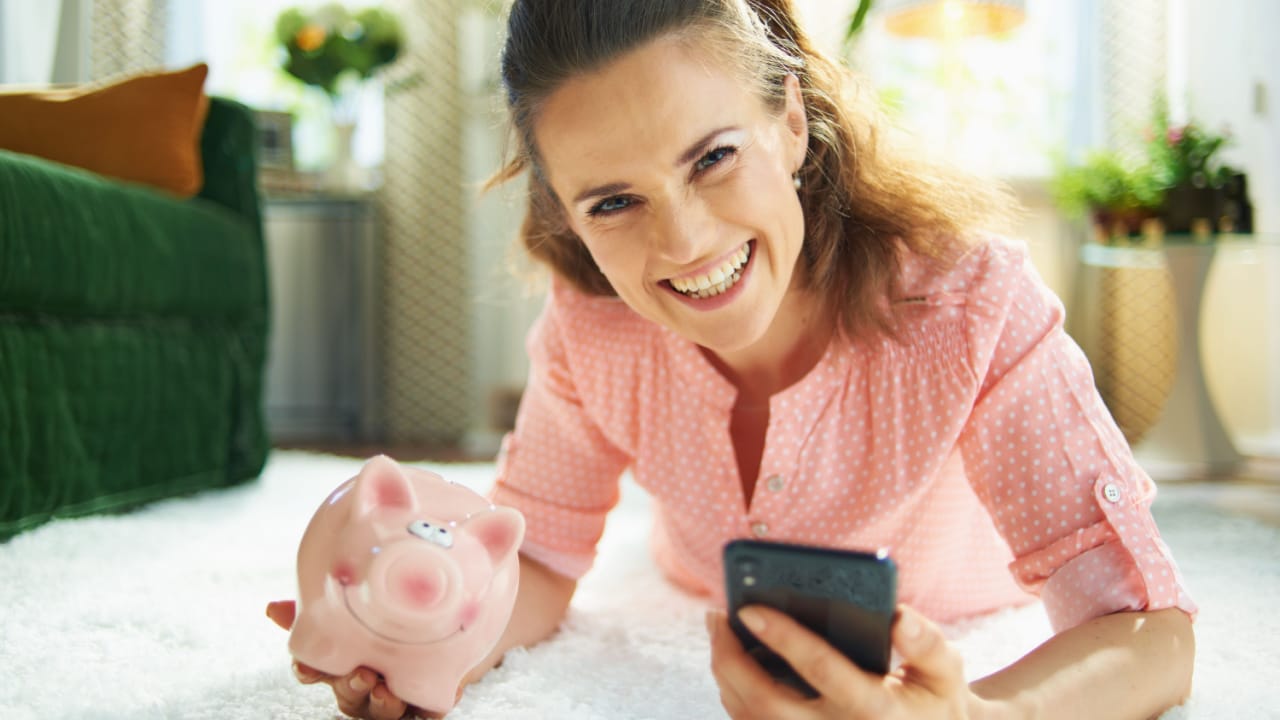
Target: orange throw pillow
{"points": [[143, 129]]}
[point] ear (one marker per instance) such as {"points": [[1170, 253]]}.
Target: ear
{"points": [[500, 530], [382, 484], [796, 121]]}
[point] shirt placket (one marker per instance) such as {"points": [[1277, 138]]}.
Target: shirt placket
{"points": [[793, 418]]}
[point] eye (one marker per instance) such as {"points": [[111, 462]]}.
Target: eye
{"points": [[436, 534], [610, 205], [714, 157]]}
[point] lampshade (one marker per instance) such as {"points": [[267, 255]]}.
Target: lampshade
{"points": [[951, 18]]}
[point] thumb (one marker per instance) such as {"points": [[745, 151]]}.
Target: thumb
{"points": [[928, 659], [282, 612]]}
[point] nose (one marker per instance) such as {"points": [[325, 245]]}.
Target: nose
{"points": [[684, 231]]}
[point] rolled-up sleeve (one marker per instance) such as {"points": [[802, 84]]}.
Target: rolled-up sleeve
{"points": [[1045, 457], [557, 467]]}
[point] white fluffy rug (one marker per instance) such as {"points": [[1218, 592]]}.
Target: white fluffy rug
{"points": [[159, 614]]}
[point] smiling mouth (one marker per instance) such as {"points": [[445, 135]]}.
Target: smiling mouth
{"points": [[347, 601], [718, 280]]}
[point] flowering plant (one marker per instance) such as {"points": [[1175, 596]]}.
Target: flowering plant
{"points": [[1184, 154], [324, 45]]}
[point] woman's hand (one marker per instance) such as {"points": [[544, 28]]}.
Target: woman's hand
{"points": [[362, 694], [929, 684]]}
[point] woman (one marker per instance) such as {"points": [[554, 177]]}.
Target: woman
{"points": [[787, 329]]}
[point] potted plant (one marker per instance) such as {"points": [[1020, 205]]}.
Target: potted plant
{"points": [[327, 46], [1175, 185], [336, 50], [1184, 158], [1120, 195]]}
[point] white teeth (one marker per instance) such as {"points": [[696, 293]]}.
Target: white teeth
{"points": [[718, 280]]}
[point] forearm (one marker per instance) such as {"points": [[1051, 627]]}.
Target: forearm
{"points": [[541, 603], [1126, 665]]}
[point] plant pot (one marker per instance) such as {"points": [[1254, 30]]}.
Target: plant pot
{"points": [[1187, 207], [344, 174], [1123, 319], [1237, 211], [1112, 225]]}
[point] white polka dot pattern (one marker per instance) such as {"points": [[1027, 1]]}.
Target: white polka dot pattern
{"points": [[975, 449]]}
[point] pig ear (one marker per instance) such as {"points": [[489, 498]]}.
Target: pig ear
{"points": [[500, 530], [382, 484]]}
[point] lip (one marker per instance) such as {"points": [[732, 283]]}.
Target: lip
{"points": [[724, 298]]}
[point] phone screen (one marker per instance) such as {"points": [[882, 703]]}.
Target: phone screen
{"points": [[846, 597]]}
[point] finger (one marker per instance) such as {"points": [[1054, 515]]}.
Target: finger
{"points": [[734, 705], [835, 677], [282, 612], [306, 674], [352, 691], [928, 659], [746, 689], [729, 698], [385, 706], [725, 652]]}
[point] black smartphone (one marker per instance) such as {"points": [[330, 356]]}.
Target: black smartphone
{"points": [[847, 597]]}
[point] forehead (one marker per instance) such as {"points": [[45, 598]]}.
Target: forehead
{"points": [[647, 105]]}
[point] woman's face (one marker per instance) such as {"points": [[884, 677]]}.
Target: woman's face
{"points": [[679, 180]]}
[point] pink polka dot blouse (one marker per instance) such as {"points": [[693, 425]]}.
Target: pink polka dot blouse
{"points": [[974, 448]]}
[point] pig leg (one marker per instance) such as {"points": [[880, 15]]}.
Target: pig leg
{"points": [[312, 643], [436, 694]]}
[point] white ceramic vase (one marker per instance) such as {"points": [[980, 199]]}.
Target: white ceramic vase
{"points": [[344, 173]]}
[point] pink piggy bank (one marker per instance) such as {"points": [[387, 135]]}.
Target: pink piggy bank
{"points": [[406, 573]]}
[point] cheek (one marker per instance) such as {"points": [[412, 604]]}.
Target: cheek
{"points": [[764, 199], [615, 251]]}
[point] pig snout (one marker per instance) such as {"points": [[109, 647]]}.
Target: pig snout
{"points": [[413, 592], [412, 579], [417, 585]]}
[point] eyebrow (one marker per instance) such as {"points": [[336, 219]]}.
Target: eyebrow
{"points": [[685, 158], [700, 146]]}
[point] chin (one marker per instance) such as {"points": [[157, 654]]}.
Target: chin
{"points": [[728, 339]]}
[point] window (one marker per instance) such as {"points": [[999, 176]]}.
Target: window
{"points": [[237, 39], [999, 106]]}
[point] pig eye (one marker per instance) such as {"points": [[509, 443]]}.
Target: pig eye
{"points": [[431, 533]]}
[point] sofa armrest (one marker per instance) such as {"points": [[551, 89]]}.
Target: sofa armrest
{"points": [[76, 244], [229, 149]]}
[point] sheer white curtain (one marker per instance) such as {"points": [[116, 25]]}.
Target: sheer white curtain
{"points": [[42, 42], [126, 36]]}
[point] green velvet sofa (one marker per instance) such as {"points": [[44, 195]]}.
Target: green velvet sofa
{"points": [[133, 333]]}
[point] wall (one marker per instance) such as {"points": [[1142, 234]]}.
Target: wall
{"points": [[1230, 65], [503, 305]]}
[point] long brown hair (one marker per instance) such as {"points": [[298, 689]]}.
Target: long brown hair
{"points": [[862, 195]]}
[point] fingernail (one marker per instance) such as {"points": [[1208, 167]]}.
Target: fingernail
{"points": [[358, 682], [713, 624], [752, 619]]}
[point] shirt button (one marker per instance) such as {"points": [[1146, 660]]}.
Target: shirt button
{"points": [[775, 483], [1111, 492], [759, 529]]}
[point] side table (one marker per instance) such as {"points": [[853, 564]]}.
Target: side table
{"points": [[321, 380], [1189, 438]]}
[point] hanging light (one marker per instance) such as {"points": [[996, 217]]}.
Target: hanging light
{"points": [[951, 18]]}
